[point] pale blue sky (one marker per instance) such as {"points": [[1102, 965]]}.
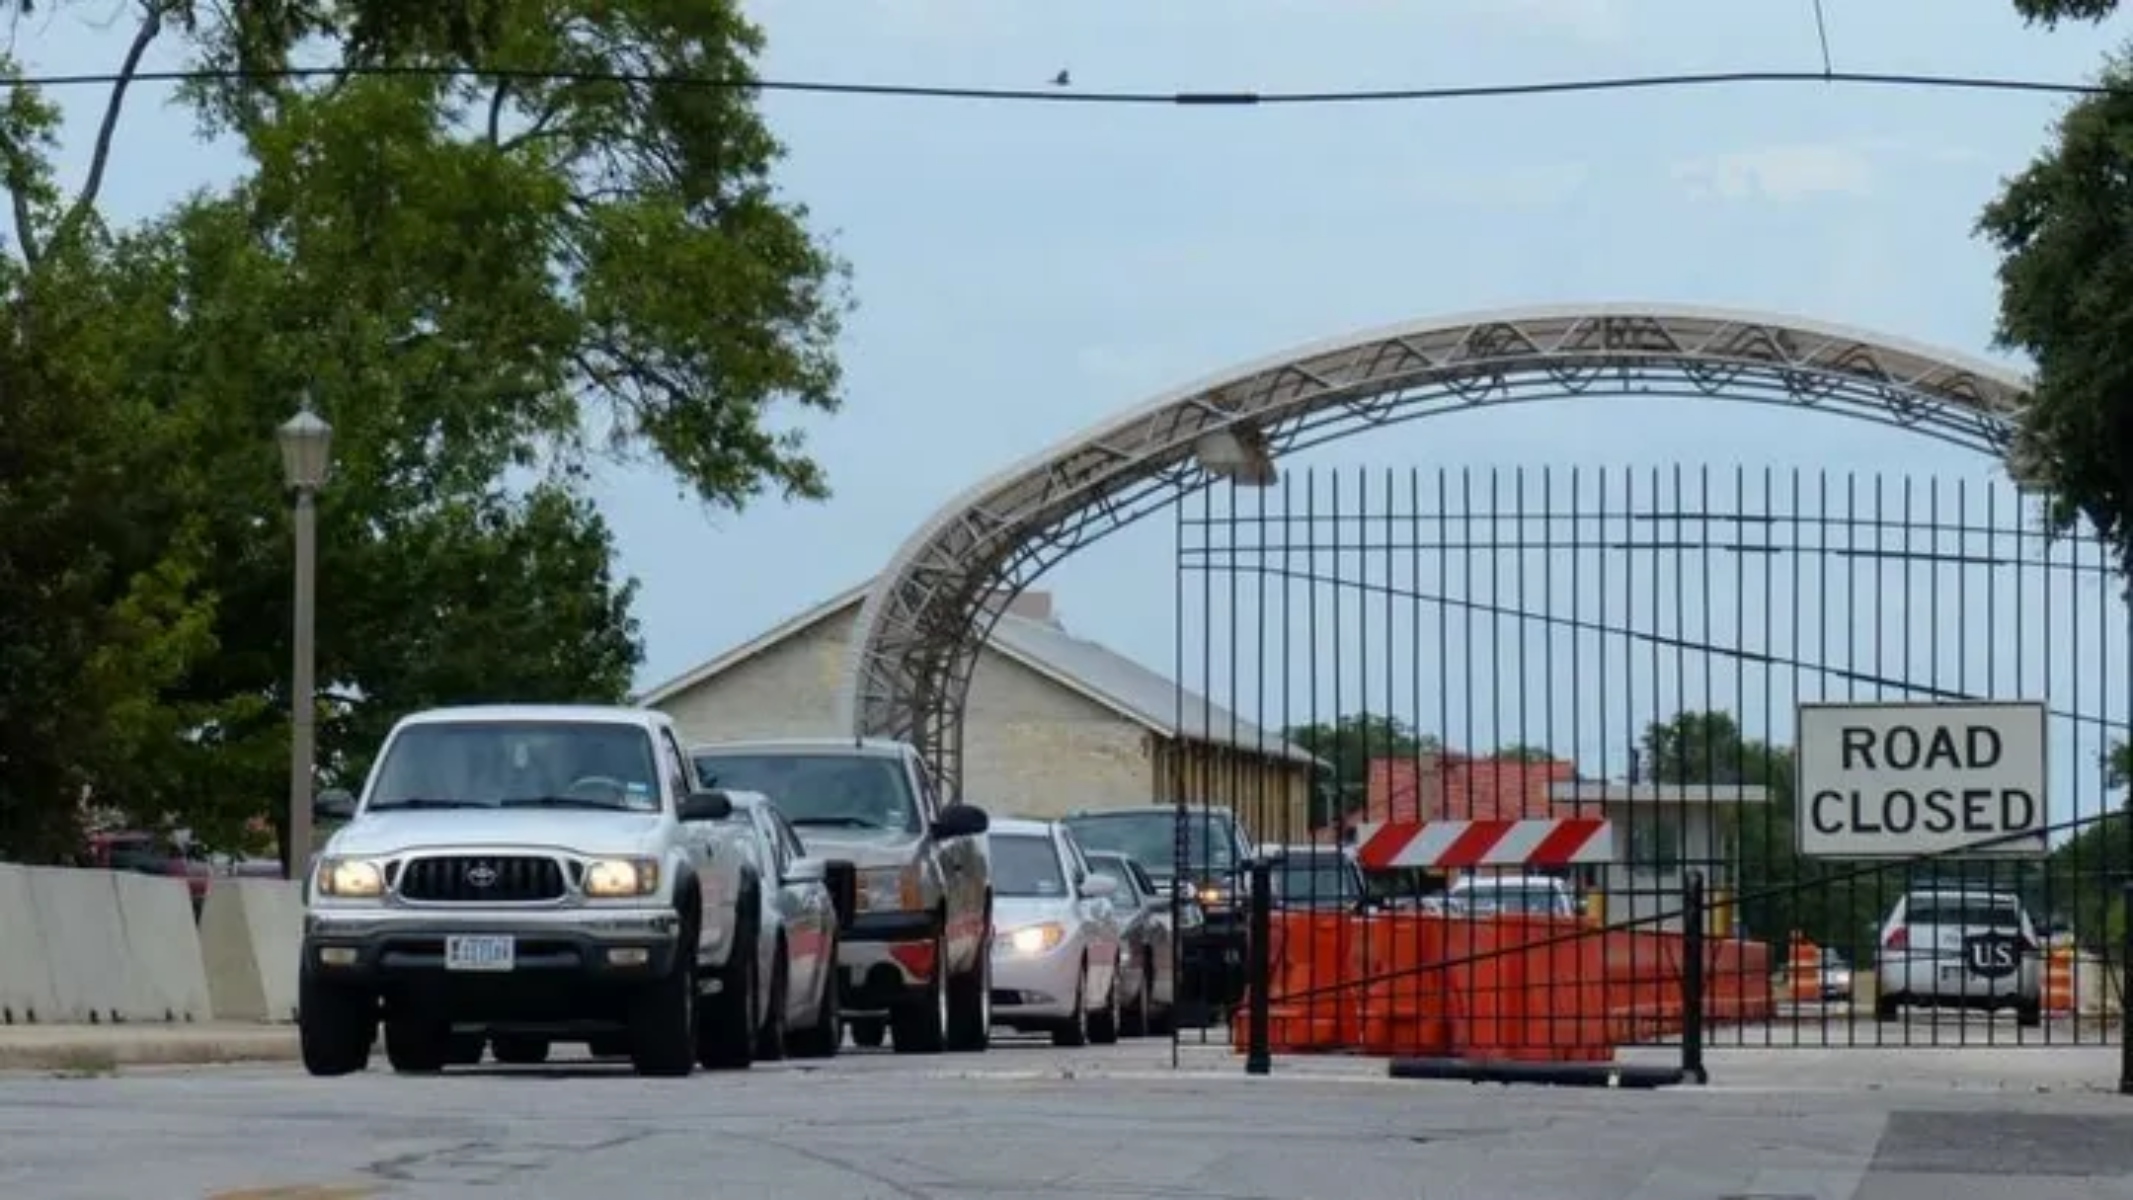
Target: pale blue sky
{"points": [[1023, 271]]}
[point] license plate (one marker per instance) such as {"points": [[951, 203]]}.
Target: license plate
{"points": [[485, 953]]}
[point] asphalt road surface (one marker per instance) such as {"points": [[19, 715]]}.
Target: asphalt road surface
{"points": [[1033, 1123]]}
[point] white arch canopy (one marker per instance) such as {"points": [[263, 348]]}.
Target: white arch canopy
{"points": [[919, 631]]}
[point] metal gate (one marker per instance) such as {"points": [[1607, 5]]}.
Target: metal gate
{"points": [[1553, 708]]}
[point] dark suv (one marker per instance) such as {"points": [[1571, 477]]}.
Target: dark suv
{"points": [[1211, 847]]}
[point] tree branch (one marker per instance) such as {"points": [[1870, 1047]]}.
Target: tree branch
{"points": [[15, 172], [496, 112], [100, 158]]}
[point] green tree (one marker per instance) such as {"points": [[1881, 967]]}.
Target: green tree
{"points": [[488, 286], [2066, 299], [1347, 745], [1517, 752]]}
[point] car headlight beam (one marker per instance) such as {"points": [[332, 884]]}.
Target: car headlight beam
{"points": [[610, 878]]}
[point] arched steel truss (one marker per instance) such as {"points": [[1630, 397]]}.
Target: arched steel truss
{"points": [[918, 634]]}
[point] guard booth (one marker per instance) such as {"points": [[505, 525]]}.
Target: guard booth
{"points": [[1662, 832]]}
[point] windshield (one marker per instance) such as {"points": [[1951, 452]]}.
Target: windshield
{"points": [[1308, 878], [852, 791], [1151, 837], [1115, 870], [1981, 912], [1026, 866], [494, 764]]}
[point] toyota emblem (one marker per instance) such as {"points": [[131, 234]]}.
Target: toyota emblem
{"points": [[481, 875]]}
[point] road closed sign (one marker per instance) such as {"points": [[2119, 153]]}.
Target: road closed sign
{"points": [[1896, 780]]}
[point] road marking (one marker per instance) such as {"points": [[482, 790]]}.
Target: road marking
{"points": [[301, 1191]]}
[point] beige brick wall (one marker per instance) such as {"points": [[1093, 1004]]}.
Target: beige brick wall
{"points": [[1032, 747]]}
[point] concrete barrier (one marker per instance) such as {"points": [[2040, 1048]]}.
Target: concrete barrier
{"points": [[251, 933], [163, 946], [26, 995], [93, 977]]}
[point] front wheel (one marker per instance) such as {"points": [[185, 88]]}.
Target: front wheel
{"points": [[920, 1023], [869, 1033], [826, 1036], [2029, 1014], [1139, 1020], [1104, 1022], [417, 1047], [335, 1027], [1075, 1032], [662, 1019], [970, 1005], [770, 1031], [725, 1041]]}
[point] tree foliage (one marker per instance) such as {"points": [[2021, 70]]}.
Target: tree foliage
{"points": [[2066, 300], [488, 286], [1347, 744]]}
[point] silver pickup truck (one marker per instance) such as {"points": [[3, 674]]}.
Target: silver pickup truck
{"points": [[520, 875], [915, 955]]}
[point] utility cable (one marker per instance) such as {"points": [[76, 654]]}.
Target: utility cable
{"points": [[1068, 95]]}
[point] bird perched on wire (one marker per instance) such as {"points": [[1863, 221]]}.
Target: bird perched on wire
{"points": [[1062, 79]]}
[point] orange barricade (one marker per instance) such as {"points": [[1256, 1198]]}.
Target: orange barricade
{"points": [[1504, 988], [2059, 979], [1803, 970]]}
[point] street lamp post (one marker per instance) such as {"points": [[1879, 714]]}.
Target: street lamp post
{"points": [[305, 443]]}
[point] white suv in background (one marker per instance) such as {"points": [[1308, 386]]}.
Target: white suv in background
{"points": [[1958, 948]]}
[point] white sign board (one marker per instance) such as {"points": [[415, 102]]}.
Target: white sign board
{"points": [[1897, 780]]}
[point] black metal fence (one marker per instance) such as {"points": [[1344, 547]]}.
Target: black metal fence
{"points": [[1633, 647]]}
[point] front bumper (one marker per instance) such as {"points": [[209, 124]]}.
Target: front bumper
{"points": [[883, 958], [571, 968], [1035, 987]]}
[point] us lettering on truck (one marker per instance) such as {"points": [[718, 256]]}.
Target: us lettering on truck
{"points": [[1894, 780]]}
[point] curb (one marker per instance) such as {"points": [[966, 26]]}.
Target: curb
{"points": [[94, 1055]]}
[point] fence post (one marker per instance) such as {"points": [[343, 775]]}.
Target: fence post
{"points": [[1692, 981], [2125, 981], [1258, 1056]]}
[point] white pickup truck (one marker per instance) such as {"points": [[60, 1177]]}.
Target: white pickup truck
{"points": [[515, 876]]}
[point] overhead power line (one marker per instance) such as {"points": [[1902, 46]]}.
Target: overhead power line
{"points": [[1069, 95]]}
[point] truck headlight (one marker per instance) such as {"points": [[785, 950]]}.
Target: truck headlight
{"points": [[350, 878], [889, 889], [608, 878]]}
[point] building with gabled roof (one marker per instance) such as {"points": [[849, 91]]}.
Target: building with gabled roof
{"points": [[1055, 722]]}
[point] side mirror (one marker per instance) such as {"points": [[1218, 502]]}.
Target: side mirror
{"points": [[961, 821], [806, 870], [706, 806], [1098, 887], [334, 804]]}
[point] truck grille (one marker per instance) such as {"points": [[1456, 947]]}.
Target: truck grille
{"points": [[481, 879]]}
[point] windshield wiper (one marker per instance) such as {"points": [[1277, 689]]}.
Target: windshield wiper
{"points": [[424, 802], [839, 822], [559, 802]]}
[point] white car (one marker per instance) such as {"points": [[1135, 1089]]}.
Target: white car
{"points": [[526, 874], [1959, 948], [1511, 895], [1055, 960]]}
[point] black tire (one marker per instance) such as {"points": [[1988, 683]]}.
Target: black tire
{"points": [[1104, 1022], [725, 1039], [869, 1032], [920, 1023], [519, 1051], [1139, 1019], [825, 1037], [663, 1016], [770, 1031], [970, 1004], [465, 1050], [1886, 1008], [335, 1026], [417, 1047], [1075, 1030], [2029, 1013]]}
